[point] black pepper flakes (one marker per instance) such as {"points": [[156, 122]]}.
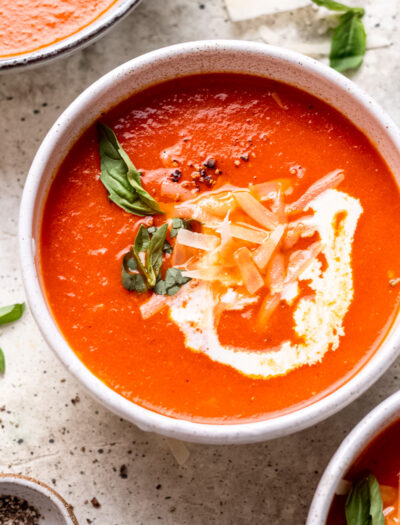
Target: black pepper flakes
{"points": [[210, 163], [176, 176], [17, 511]]}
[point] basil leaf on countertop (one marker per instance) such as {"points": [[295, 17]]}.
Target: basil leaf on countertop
{"points": [[337, 6], [121, 178], [2, 362], [364, 503], [349, 40], [173, 282], [349, 43], [11, 313]]}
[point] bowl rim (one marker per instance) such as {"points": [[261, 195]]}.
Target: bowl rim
{"points": [[351, 447], [66, 46], [146, 419], [38, 486]]}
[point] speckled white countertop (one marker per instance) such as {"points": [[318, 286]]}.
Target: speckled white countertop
{"points": [[49, 427]]}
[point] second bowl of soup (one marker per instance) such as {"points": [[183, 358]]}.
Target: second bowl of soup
{"points": [[213, 227], [361, 483]]}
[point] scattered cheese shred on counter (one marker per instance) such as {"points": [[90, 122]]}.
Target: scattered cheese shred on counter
{"points": [[240, 10], [179, 450]]}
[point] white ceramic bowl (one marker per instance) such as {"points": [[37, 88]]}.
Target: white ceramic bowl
{"points": [[154, 67], [68, 45], [54, 510], [359, 438]]}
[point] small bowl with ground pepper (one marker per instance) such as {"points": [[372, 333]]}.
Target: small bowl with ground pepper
{"points": [[26, 501]]}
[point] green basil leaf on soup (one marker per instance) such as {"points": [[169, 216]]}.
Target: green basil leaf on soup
{"points": [[178, 223], [167, 248], [132, 280], [174, 280], [141, 244], [376, 506], [364, 503], [155, 254], [120, 177]]}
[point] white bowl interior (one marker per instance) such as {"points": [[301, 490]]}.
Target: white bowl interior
{"points": [[356, 442], [134, 76], [50, 506]]}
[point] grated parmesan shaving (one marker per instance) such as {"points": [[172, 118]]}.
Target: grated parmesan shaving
{"points": [[318, 319], [179, 450]]}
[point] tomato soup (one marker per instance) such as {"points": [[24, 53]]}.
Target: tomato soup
{"points": [[29, 25], [244, 270], [382, 460]]}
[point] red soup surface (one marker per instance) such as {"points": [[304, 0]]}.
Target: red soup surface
{"points": [[29, 25], [382, 459], [254, 130]]}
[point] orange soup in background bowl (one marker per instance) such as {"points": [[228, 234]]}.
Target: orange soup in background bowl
{"points": [[34, 32], [206, 239], [362, 479]]}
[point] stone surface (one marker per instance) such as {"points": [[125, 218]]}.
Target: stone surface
{"points": [[49, 427]]}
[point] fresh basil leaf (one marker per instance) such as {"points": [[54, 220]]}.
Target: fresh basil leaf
{"points": [[121, 178], [2, 362], [142, 240], [160, 287], [132, 280], [145, 197], [130, 262], [141, 244], [376, 506], [174, 280], [358, 503], [349, 42], [337, 6], [364, 503], [167, 248], [141, 266], [155, 253], [11, 313], [178, 223], [150, 265]]}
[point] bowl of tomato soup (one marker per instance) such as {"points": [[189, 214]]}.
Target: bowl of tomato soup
{"points": [[362, 479], [34, 32], [205, 238]]}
